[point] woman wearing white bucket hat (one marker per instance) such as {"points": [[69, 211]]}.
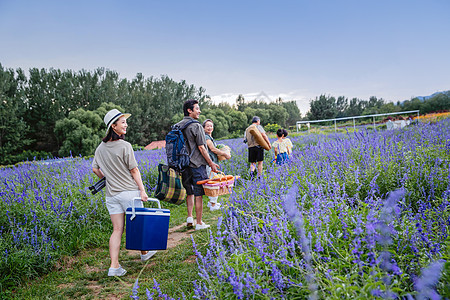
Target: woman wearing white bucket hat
{"points": [[114, 158]]}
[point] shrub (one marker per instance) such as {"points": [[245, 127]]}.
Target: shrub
{"points": [[271, 127]]}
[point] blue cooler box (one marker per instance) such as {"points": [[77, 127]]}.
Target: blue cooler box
{"points": [[147, 228]]}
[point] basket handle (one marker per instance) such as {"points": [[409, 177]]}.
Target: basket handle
{"points": [[206, 180], [222, 174]]}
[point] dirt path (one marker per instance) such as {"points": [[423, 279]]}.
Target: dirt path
{"points": [[176, 236]]}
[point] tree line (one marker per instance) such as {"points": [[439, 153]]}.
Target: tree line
{"points": [[329, 107], [60, 112]]}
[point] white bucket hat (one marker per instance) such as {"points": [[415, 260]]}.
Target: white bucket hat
{"points": [[112, 116]]}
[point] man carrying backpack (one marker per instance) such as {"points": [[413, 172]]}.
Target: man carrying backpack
{"points": [[199, 158]]}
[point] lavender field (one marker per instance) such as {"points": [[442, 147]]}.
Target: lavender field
{"points": [[362, 215]]}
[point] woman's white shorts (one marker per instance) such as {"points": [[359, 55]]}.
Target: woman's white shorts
{"points": [[119, 203]]}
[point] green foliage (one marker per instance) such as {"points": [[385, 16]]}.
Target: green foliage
{"points": [[278, 114], [234, 135], [283, 113], [238, 121], [177, 118], [82, 131], [293, 112], [77, 138], [328, 107], [137, 147], [272, 127], [51, 95], [263, 114], [323, 107], [373, 106], [153, 103], [439, 102], [13, 128], [240, 103]]}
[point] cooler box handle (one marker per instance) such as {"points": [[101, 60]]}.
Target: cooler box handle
{"points": [[133, 211]]}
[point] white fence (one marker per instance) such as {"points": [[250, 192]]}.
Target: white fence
{"points": [[299, 123]]}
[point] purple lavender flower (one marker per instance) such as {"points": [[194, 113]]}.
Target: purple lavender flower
{"points": [[292, 212], [134, 294], [388, 213], [384, 294], [425, 285], [159, 291], [148, 294]]}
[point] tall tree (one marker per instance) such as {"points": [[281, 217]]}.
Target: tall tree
{"points": [[240, 102], [373, 106], [355, 108], [294, 114], [44, 107], [155, 102], [238, 121], [440, 102], [277, 114], [341, 106], [13, 128], [323, 107]]}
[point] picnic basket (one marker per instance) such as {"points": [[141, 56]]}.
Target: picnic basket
{"points": [[221, 184]]}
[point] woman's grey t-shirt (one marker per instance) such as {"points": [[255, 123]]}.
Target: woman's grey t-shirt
{"points": [[115, 160]]}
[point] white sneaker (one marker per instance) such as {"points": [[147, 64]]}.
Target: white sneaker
{"points": [[190, 222], [145, 257], [215, 207], [201, 226], [117, 271]]}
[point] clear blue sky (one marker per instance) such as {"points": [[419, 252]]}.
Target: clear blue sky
{"points": [[394, 49]]}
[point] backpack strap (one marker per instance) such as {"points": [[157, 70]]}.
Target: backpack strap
{"points": [[186, 126], [188, 123]]}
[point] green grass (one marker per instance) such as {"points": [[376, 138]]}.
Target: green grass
{"points": [[84, 276]]}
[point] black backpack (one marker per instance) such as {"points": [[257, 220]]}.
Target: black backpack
{"points": [[177, 155]]}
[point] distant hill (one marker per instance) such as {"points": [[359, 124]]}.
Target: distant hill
{"points": [[423, 98]]}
